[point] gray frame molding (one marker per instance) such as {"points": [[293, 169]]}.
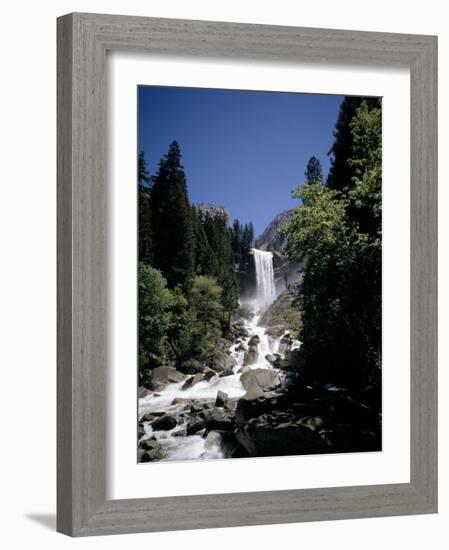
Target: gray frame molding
{"points": [[83, 40]]}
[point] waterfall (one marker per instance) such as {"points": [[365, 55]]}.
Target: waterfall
{"points": [[265, 289]]}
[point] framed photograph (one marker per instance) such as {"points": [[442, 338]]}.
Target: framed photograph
{"points": [[247, 281]]}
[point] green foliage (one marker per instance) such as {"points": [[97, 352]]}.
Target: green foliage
{"points": [[155, 301], [180, 327], [317, 227], [176, 328], [206, 307], [338, 230]]}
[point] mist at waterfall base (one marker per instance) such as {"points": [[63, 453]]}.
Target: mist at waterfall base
{"points": [[177, 446]]}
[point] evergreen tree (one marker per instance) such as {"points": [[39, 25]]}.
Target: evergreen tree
{"points": [[205, 261], [251, 234], [144, 209], [220, 238], [246, 238], [143, 175], [313, 171], [171, 221], [341, 172], [237, 240]]}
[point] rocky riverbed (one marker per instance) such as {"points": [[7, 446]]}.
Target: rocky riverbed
{"points": [[250, 403], [192, 412]]}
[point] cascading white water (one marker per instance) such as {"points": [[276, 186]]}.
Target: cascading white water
{"points": [[192, 447], [173, 399], [265, 287]]}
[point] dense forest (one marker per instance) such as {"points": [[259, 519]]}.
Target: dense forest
{"points": [[194, 318], [187, 260]]}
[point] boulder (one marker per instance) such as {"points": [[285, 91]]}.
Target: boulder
{"points": [[147, 417], [166, 422], [251, 356], [259, 438], [264, 379], [142, 391], [162, 376], [198, 406], [193, 380], [223, 361], [195, 426], [241, 347], [152, 450], [285, 343], [149, 444], [247, 409], [208, 373], [199, 377], [273, 359], [152, 454], [222, 399], [254, 340], [253, 393], [217, 419]]}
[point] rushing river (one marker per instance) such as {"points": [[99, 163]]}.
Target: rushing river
{"points": [[176, 444]]}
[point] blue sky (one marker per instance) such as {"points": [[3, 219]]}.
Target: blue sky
{"points": [[243, 150]]}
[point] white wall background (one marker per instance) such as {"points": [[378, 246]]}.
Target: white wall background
{"points": [[27, 288]]}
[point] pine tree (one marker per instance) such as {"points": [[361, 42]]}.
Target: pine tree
{"points": [[236, 240], [313, 173], [171, 221], [205, 261], [144, 209], [219, 237], [251, 234], [341, 173], [143, 175]]}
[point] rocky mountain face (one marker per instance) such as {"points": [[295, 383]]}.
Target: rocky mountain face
{"points": [[270, 238], [214, 210]]}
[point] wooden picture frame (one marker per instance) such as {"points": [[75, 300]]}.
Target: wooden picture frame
{"points": [[83, 40]]}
